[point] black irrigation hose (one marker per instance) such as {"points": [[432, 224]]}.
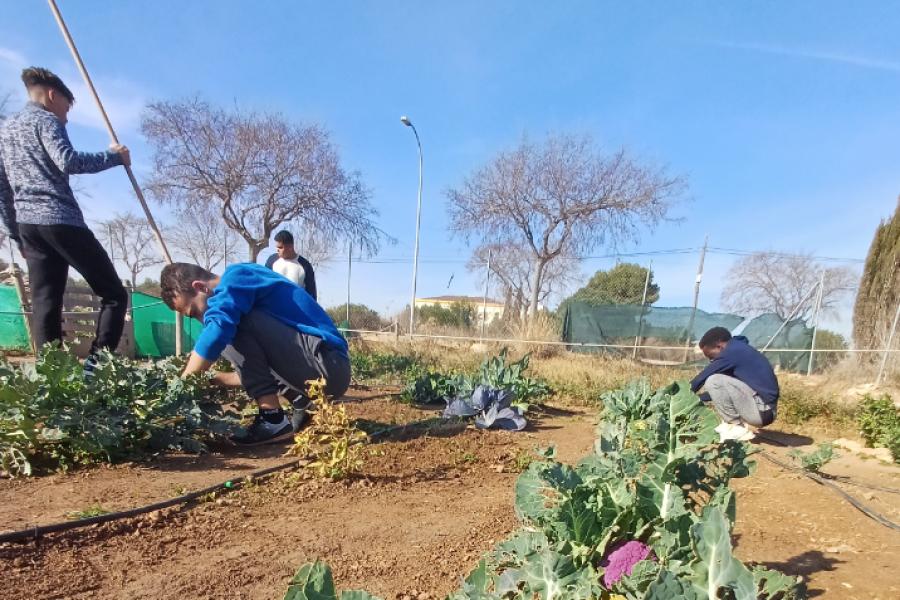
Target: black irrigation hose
{"points": [[818, 479], [35, 532], [841, 478], [849, 481]]}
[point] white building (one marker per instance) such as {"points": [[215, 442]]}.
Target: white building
{"points": [[492, 309]]}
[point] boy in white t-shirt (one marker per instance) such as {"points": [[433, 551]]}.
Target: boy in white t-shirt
{"points": [[291, 265]]}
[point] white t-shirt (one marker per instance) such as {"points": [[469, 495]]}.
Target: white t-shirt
{"points": [[292, 269]]}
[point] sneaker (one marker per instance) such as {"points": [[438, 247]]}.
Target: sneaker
{"points": [[263, 432], [723, 426], [90, 363], [300, 417], [740, 433]]}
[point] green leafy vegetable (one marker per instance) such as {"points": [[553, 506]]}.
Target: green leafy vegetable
{"points": [[814, 460], [50, 414], [658, 481], [315, 582], [431, 387]]}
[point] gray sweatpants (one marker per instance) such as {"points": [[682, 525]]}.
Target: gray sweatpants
{"points": [[273, 358], [736, 402]]}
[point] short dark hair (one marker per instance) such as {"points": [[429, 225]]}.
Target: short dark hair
{"points": [[714, 336], [177, 279], [39, 77], [285, 237]]}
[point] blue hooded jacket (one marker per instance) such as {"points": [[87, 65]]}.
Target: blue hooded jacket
{"points": [[247, 286], [745, 363]]}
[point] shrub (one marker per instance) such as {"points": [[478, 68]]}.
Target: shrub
{"points": [[879, 424], [361, 316]]}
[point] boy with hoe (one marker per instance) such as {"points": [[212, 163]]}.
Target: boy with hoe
{"points": [[272, 331], [740, 383], [44, 219]]}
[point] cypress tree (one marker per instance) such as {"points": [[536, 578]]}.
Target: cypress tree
{"points": [[879, 289]]}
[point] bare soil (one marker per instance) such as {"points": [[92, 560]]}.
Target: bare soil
{"points": [[427, 505]]}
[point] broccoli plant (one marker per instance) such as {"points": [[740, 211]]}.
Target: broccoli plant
{"points": [[51, 415], [815, 460]]}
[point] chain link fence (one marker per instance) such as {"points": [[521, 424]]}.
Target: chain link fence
{"points": [[610, 305], [651, 307]]}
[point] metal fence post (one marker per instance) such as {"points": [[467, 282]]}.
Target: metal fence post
{"points": [[812, 348], [641, 318], [349, 269], [487, 280], [690, 331], [887, 350]]}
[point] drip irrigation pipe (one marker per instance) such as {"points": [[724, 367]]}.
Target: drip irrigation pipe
{"points": [[35, 532], [821, 480], [840, 478]]}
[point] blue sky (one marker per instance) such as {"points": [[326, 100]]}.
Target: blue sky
{"points": [[783, 115]]}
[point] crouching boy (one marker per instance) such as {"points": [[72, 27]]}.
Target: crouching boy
{"points": [[740, 384], [272, 331]]}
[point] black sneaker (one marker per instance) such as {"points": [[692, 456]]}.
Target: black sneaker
{"points": [[300, 417], [263, 432]]}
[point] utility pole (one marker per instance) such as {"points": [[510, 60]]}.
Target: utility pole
{"points": [[690, 331], [487, 279], [112, 245]]}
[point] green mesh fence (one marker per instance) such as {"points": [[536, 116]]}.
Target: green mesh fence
{"points": [[154, 326], [662, 327], [13, 333]]}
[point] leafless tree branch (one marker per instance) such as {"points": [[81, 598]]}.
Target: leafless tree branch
{"points": [[131, 241], [775, 282], [258, 171], [562, 197]]}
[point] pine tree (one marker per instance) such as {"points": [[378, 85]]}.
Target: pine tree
{"points": [[623, 284], [879, 290]]}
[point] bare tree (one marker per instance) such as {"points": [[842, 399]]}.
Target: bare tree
{"points": [[257, 170], [5, 100], [512, 267], [130, 240], [776, 282], [315, 248], [200, 234], [561, 198]]}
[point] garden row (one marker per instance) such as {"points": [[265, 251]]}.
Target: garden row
{"points": [[647, 516], [52, 418]]}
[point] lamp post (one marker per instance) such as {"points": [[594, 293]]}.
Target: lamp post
{"points": [[412, 306]]}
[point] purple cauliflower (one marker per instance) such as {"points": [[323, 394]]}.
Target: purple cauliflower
{"points": [[620, 558]]}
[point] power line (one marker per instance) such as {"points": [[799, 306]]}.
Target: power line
{"points": [[388, 260]]}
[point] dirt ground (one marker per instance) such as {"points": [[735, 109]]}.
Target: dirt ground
{"points": [[427, 505]]}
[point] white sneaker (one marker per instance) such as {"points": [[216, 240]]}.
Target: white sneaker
{"points": [[722, 427], [740, 433]]}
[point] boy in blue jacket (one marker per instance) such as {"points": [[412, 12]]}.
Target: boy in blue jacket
{"points": [[272, 331], [740, 383]]}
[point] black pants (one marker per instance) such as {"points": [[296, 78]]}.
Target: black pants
{"points": [[273, 358], [49, 251]]}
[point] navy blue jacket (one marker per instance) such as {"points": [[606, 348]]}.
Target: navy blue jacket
{"points": [[745, 363]]}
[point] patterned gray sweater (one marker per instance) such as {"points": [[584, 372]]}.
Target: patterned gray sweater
{"points": [[36, 159]]}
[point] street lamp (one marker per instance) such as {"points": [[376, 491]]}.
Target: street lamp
{"points": [[412, 306]]}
